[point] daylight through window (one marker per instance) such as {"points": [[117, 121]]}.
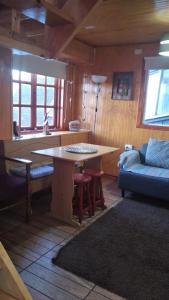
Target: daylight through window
{"points": [[35, 95], [156, 104]]}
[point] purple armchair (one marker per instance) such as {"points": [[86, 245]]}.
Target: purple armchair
{"points": [[14, 190]]}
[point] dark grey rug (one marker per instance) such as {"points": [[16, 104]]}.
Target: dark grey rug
{"points": [[126, 251]]}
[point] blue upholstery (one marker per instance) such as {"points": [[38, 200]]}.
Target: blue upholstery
{"points": [[128, 159], [136, 176], [157, 154], [148, 170], [36, 171]]}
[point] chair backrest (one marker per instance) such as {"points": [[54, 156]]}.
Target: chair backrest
{"points": [[142, 152], [2, 161]]}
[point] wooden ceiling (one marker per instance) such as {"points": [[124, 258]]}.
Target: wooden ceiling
{"points": [[122, 22], [71, 29]]}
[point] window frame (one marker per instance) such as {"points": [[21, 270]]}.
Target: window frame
{"points": [[142, 102], [59, 88]]}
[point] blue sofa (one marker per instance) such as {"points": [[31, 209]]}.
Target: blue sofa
{"points": [[136, 175]]}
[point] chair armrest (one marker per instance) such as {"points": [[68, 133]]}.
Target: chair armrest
{"points": [[26, 162], [16, 159], [128, 158]]}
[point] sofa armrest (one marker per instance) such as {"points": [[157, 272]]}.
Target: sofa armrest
{"points": [[128, 158]]}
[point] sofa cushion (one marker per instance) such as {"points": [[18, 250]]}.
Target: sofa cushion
{"points": [[149, 171], [157, 153]]}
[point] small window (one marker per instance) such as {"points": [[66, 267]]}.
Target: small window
{"points": [[35, 95]]}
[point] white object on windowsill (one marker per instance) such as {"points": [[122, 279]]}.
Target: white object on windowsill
{"points": [[74, 125]]}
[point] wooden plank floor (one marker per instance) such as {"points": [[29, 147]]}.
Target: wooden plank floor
{"points": [[32, 246]]}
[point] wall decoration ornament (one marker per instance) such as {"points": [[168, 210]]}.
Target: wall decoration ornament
{"points": [[122, 86]]}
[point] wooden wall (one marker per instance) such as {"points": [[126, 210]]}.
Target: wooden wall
{"points": [[5, 94], [116, 119]]}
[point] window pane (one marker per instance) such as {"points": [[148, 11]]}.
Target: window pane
{"points": [[40, 113], [163, 100], [50, 96], [25, 76], [16, 114], [50, 112], [25, 117], [15, 93], [50, 80], [25, 93], [15, 74], [40, 79], [40, 95], [157, 94]]}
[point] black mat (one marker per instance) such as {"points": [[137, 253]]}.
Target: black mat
{"points": [[125, 251]]}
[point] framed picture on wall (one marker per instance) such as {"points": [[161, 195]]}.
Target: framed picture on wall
{"points": [[122, 86]]}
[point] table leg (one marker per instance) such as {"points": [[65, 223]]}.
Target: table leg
{"points": [[94, 163], [62, 190]]}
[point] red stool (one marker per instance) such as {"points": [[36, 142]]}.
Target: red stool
{"points": [[82, 198], [96, 188]]}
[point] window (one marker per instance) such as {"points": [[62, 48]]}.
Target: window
{"points": [[35, 95], [154, 103]]}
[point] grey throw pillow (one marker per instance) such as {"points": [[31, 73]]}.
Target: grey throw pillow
{"points": [[157, 154]]}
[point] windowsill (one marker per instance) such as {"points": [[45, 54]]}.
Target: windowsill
{"points": [[28, 136]]}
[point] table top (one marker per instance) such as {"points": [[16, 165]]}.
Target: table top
{"points": [[62, 154]]}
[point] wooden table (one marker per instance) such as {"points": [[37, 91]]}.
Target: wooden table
{"points": [[64, 166]]}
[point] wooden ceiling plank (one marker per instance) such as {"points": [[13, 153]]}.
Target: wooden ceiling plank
{"points": [[114, 21], [61, 36]]}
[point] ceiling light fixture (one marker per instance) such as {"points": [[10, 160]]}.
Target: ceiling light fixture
{"points": [[164, 45]]}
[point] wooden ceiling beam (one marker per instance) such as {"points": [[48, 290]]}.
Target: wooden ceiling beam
{"points": [[58, 12], [15, 21], [78, 52], [61, 3], [19, 4], [16, 41], [59, 37]]}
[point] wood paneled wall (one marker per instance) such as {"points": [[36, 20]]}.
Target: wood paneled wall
{"points": [[5, 94], [116, 119]]}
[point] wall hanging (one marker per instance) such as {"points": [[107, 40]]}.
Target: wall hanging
{"points": [[122, 86]]}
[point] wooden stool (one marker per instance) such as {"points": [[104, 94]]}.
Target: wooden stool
{"points": [[82, 199], [96, 188]]}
